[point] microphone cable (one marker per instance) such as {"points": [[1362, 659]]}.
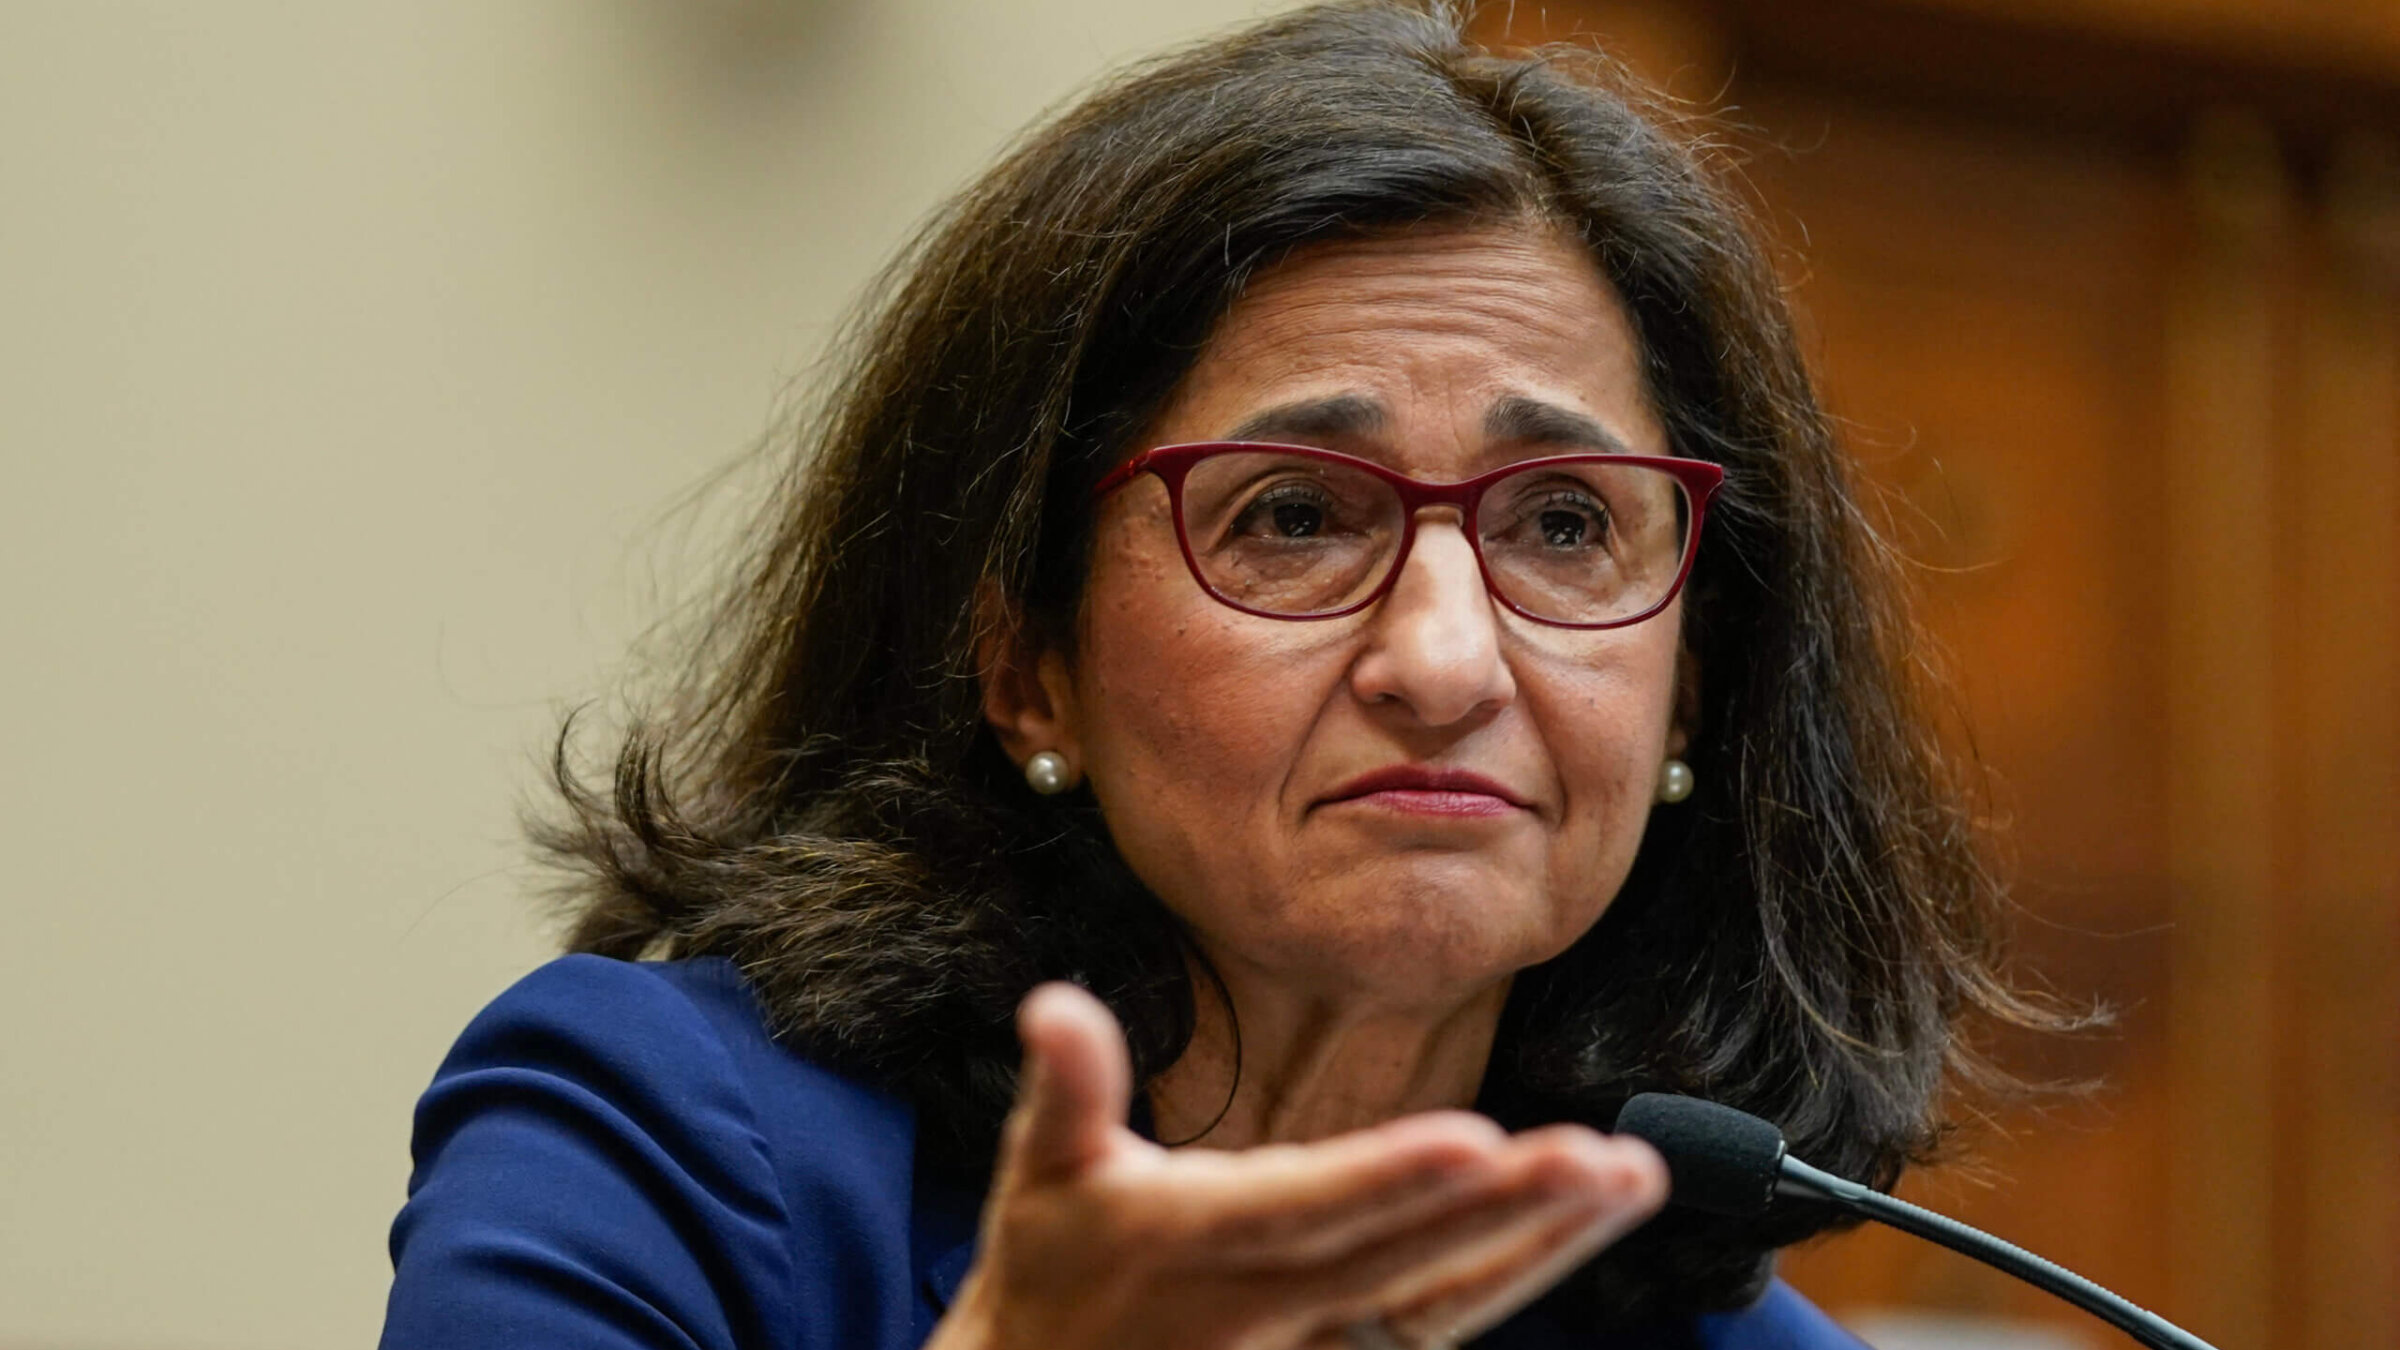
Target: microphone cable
{"points": [[1729, 1162]]}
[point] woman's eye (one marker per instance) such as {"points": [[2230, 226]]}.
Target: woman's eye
{"points": [[1564, 522], [1563, 529], [1288, 512], [1297, 520]]}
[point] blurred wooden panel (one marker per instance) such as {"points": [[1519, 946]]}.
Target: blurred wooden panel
{"points": [[2141, 67], [2362, 34], [1983, 303], [1980, 306], [2028, 66], [2217, 493], [2342, 532]]}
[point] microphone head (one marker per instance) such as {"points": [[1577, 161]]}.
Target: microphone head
{"points": [[1720, 1160]]}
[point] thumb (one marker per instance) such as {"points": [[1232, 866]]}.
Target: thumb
{"points": [[1077, 1082]]}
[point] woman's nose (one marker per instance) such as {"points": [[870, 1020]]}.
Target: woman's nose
{"points": [[1434, 638]]}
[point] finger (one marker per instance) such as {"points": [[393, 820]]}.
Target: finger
{"points": [[1078, 1081], [1406, 1269], [1636, 1190], [1575, 1190], [1332, 1231], [1511, 1279], [1290, 1204]]}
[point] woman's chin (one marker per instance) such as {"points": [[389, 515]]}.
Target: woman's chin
{"points": [[1415, 934]]}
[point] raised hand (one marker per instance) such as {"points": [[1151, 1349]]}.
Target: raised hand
{"points": [[1437, 1225]]}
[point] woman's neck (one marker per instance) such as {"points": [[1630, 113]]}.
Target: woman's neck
{"points": [[1315, 1064]]}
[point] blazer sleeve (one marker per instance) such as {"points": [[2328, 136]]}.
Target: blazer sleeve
{"points": [[589, 1172]]}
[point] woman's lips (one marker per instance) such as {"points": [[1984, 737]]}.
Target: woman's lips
{"points": [[1416, 790]]}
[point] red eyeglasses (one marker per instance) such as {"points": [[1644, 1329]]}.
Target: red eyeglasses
{"points": [[1293, 532]]}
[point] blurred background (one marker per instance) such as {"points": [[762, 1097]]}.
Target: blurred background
{"points": [[355, 361]]}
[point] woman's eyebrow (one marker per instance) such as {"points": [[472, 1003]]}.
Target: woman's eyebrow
{"points": [[1514, 417], [1339, 415]]}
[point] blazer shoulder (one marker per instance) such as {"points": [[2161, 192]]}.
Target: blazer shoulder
{"points": [[1781, 1320], [636, 1123], [673, 1021], [630, 1003]]}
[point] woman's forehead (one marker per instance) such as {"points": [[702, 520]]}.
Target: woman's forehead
{"points": [[1480, 340], [1509, 418], [1532, 284]]}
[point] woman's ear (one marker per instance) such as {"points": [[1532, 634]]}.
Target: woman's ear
{"points": [[1685, 721], [1028, 693]]}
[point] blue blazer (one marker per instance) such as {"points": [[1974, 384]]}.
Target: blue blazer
{"points": [[617, 1155]]}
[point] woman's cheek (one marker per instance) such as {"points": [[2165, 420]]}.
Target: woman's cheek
{"points": [[1607, 733], [1182, 689], [1197, 718]]}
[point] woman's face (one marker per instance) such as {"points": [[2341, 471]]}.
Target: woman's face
{"points": [[1226, 750]]}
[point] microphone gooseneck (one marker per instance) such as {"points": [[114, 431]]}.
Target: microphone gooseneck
{"points": [[1736, 1164]]}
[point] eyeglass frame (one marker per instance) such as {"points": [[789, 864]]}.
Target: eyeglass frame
{"points": [[1171, 464]]}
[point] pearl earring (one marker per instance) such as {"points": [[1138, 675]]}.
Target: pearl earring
{"points": [[1048, 773], [1674, 781]]}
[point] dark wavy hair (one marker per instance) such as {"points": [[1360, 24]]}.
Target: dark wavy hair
{"points": [[822, 802]]}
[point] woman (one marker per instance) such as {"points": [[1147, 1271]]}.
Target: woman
{"points": [[1326, 611]]}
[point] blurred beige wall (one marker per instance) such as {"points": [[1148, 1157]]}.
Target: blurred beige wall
{"points": [[350, 356]]}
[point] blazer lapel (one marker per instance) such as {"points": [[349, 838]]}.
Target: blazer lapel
{"points": [[941, 1235]]}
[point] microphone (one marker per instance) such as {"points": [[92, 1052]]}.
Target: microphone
{"points": [[1731, 1163]]}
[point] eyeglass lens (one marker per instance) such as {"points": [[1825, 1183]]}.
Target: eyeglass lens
{"points": [[1583, 542]]}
